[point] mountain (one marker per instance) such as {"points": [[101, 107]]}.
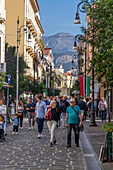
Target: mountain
{"points": [[62, 47]]}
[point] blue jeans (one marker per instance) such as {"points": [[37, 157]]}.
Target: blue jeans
{"points": [[103, 115], [63, 118], [40, 123]]}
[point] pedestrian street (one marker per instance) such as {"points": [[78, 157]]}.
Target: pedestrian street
{"points": [[25, 151]]}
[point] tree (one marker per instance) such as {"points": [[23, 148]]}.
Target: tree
{"points": [[100, 35], [76, 86], [24, 81], [2, 77]]}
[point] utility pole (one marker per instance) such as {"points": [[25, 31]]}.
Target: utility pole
{"points": [[17, 71], [85, 72]]}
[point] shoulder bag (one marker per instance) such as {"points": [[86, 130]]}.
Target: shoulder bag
{"points": [[81, 128]]}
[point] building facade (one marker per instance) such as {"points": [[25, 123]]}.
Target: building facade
{"points": [[2, 36], [48, 66], [27, 12], [67, 80], [2, 40]]}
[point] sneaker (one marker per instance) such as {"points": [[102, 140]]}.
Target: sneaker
{"points": [[54, 142], [39, 136], [16, 133], [68, 146], [50, 144], [13, 133], [29, 128], [21, 128]]}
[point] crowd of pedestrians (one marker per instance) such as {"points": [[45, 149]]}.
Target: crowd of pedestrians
{"points": [[52, 110]]}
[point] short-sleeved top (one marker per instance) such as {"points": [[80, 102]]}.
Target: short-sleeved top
{"points": [[29, 105], [72, 115], [20, 109], [15, 121], [55, 114]]}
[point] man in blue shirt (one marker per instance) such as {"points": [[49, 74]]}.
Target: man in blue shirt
{"points": [[73, 121], [31, 112], [41, 110], [47, 101]]}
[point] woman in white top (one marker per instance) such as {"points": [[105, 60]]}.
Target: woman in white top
{"points": [[20, 112], [3, 112]]}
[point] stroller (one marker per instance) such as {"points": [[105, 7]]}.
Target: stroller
{"points": [[2, 138]]}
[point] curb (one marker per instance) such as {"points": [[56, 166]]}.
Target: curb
{"points": [[90, 157]]}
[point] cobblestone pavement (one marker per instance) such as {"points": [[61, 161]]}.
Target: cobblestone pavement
{"points": [[25, 151]]}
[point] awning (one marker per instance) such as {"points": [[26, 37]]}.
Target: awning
{"points": [[76, 92]]}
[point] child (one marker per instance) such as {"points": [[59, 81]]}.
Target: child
{"points": [[15, 123]]}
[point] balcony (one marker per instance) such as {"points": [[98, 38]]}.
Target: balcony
{"points": [[2, 15], [30, 51], [2, 67], [32, 27], [38, 42]]}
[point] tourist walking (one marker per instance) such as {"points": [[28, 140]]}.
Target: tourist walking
{"points": [[15, 123], [103, 109], [31, 112], [41, 109], [20, 112], [47, 101], [97, 109], [4, 113], [73, 121], [64, 105], [53, 116], [82, 105]]}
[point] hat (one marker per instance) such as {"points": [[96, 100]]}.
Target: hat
{"points": [[72, 100]]}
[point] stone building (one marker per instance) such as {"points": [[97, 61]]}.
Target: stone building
{"points": [[31, 49]]}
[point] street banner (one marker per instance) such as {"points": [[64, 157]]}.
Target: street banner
{"points": [[82, 86], [45, 90], [88, 86]]}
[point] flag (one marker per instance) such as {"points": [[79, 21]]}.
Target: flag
{"points": [[82, 86]]}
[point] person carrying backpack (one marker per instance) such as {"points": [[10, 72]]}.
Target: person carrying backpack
{"points": [[64, 105], [53, 117], [82, 106]]}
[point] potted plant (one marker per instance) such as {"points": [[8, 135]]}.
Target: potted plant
{"points": [[108, 127]]}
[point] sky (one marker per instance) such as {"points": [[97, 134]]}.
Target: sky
{"points": [[58, 16]]}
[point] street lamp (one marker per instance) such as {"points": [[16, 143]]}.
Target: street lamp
{"points": [[77, 18], [18, 42], [78, 38], [92, 120]]}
